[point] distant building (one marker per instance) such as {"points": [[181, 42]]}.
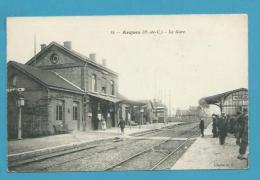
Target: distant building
{"points": [[139, 112], [160, 112], [64, 91]]}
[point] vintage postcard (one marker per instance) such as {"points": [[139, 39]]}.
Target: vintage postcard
{"points": [[117, 93]]}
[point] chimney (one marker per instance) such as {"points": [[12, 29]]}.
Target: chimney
{"points": [[67, 44], [43, 46], [92, 57], [104, 62]]}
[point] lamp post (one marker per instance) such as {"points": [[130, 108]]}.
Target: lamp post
{"points": [[20, 104]]}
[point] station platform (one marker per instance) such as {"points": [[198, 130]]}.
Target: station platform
{"points": [[41, 145], [207, 153]]}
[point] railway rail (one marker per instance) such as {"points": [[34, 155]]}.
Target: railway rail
{"points": [[17, 163], [150, 149], [169, 155], [102, 148]]}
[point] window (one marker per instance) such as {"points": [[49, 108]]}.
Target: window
{"points": [[59, 110], [104, 90], [112, 87], [104, 85], [94, 83], [54, 58], [75, 111]]}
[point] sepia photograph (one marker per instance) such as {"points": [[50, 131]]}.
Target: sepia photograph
{"points": [[125, 93]]}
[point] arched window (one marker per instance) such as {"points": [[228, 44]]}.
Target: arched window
{"points": [[94, 83]]}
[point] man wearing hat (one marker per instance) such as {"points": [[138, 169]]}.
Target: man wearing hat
{"points": [[214, 126], [201, 126], [244, 136], [222, 126]]}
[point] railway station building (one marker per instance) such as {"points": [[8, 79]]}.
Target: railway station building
{"points": [[63, 91]]}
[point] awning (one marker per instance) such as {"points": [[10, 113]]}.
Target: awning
{"points": [[217, 98], [105, 97], [131, 102]]}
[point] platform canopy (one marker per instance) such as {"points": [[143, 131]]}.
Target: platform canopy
{"points": [[104, 97], [125, 100], [216, 99]]}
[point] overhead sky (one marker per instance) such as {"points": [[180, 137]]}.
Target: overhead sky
{"points": [[189, 56]]}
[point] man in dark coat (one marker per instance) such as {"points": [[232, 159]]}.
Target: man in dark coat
{"points": [[214, 126], [244, 136], [238, 127], [201, 126], [222, 126], [121, 124]]}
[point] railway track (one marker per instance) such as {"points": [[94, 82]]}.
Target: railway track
{"points": [[161, 161], [17, 163], [171, 154], [98, 148]]}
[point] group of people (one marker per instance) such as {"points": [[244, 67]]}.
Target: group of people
{"points": [[237, 125], [220, 127]]}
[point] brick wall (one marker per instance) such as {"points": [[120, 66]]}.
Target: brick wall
{"points": [[34, 113], [75, 71], [102, 79], [64, 57], [73, 74], [68, 99]]}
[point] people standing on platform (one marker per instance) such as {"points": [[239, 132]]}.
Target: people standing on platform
{"points": [[201, 126], [222, 126], [214, 126], [244, 136], [103, 123], [121, 124]]}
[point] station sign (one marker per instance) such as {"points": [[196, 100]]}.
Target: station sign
{"points": [[243, 97], [16, 89]]}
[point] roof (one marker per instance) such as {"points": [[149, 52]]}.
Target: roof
{"points": [[80, 56], [158, 104], [125, 100], [47, 78], [217, 98], [105, 97], [122, 97], [147, 101], [135, 103]]}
